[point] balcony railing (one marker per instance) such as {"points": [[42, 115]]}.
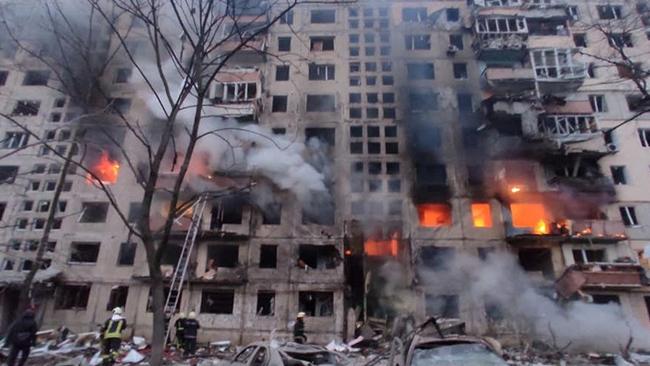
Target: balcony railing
{"points": [[600, 275], [568, 127], [598, 229]]}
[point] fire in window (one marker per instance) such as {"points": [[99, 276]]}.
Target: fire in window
{"points": [[481, 215], [380, 247], [532, 216], [316, 303], [105, 169], [433, 215]]}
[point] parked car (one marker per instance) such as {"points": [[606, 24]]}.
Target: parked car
{"points": [[286, 354]]}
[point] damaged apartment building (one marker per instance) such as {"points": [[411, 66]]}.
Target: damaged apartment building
{"points": [[450, 127]]}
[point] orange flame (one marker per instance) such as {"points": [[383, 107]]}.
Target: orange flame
{"points": [[434, 214], [382, 247], [481, 215], [515, 189], [541, 227], [106, 170]]}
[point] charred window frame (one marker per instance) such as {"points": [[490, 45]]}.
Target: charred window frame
{"points": [[323, 16], [227, 212], [537, 260], [126, 255], [217, 301], [321, 103], [8, 174], [316, 303], [265, 303], [321, 43], [36, 77], [319, 256], [84, 252], [223, 255], [268, 256], [72, 297], [93, 212], [117, 297]]}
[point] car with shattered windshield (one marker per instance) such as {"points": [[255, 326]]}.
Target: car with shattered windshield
{"points": [[287, 354], [453, 350]]}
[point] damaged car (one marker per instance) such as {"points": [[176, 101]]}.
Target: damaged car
{"points": [[287, 354]]}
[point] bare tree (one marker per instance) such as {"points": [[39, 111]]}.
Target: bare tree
{"points": [[188, 43]]}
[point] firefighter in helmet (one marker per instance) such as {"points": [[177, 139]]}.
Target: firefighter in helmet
{"points": [[111, 333], [179, 326]]}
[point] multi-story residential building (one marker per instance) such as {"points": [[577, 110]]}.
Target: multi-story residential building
{"points": [[450, 129]]}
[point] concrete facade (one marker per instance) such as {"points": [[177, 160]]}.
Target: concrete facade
{"points": [[417, 133]]}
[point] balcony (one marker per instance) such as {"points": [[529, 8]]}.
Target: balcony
{"points": [[501, 36], [504, 80], [222, 276], [568, 128], [235, 93], [557, 70], [596, 230], [620, 276]]}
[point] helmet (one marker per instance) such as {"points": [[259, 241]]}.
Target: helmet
{"points": [[301, 314], [117, 311], [182, 315], [192, 315]]}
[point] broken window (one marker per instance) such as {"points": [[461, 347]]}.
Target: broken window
{"points": [[325, 136], [321, 103], [414, 14], [36, 77], [287, 18], [588, 255], [282, 73], [433, 215], [604, 299], [93, 212], [644, 137], [223, 255], [419, 71], [620, 40], [117, 297], [265, 303], [537, 260], [321, 72], [618, 174], [434, 174], [598, 103], [580, 39], [316, 303], [235, 92], [272, 214], [81, 252], [491, 26], [15, 140], [441, 306], [460, 70], [227, 211], [418, 42], [318, 256], [436, 258], [126, 255], [323, 16], [456, 41], [420, 101], [628, 215], [268, 256], [72, 297], [453, 14], [279, 103], [217, 302], [481, 215], [284, 44], [609, 11], [325, 43], [557, 63], [8, 174], [531, 216]]}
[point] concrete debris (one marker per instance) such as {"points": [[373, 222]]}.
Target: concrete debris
{"points": [[133, 357]]}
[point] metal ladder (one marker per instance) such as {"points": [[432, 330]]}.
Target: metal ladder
{"points": [[180, 271]]}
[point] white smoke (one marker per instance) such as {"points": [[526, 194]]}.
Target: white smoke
{"points": [[500, 281]]}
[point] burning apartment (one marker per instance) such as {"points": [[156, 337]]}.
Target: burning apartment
{"points": [[436, 130]]}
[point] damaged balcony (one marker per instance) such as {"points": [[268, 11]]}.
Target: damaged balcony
{"points": [[578, 172], [236, 93], [501, 35], [557, 70], [317, 263], [222, 266], [620, 276], [569, 121]]}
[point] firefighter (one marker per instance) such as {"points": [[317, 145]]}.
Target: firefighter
{"points": [[111, 333], [299, 329], [191, 327], [21, 337], [179, 325]]}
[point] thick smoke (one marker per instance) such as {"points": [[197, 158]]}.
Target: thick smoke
{"points": [[500, 281]]}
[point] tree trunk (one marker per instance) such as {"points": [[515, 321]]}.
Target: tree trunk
{"points": [[26, 291], [158, 302]]}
